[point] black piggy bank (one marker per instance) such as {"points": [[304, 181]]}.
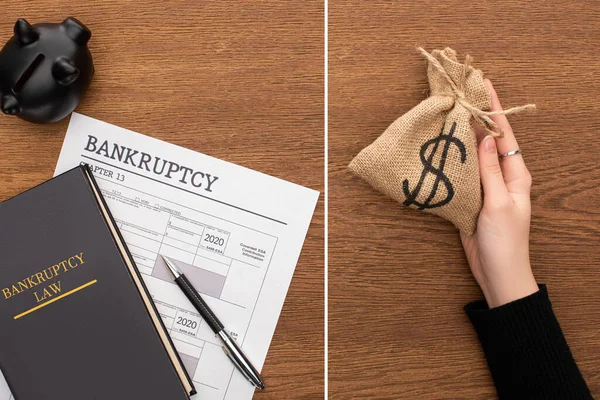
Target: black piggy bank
{"points": [[45, 69]]}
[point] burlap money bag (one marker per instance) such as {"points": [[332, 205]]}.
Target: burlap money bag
{"points": [[427, 158]]}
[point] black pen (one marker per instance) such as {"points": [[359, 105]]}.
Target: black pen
{"points": [[230, 347]]}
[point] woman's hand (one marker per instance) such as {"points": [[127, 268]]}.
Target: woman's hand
{"points": [[498, 252]]}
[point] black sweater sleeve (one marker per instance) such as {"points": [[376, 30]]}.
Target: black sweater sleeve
{"points": [[526, 351]]}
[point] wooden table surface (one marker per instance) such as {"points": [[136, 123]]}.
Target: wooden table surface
{"points": [[398, 278], [238, 81]]}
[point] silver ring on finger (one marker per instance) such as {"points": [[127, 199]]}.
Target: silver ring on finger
{"points": [[510, 153]]}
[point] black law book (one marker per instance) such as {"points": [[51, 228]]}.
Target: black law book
{"points": [[76, 320]]}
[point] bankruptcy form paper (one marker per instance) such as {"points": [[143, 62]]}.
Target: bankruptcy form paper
{"points": [[235, 233]]}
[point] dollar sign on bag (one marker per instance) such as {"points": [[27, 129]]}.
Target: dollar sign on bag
{"points": [[429, 168]]}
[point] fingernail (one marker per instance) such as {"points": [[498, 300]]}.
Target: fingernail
{"points": [[490, 87], [489, 144]]}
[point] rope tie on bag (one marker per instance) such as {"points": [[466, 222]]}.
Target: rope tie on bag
{"points": [[481, 117]]}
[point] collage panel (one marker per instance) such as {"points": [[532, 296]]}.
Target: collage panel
{"points": [[408, 318]]}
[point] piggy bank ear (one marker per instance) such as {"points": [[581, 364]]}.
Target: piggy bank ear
{"points": [[10, 105], [25, 33], [77, 31], [64, 72]]}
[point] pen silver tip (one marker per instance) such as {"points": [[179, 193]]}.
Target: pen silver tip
{"points": [[171, 265]]}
